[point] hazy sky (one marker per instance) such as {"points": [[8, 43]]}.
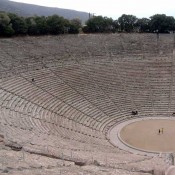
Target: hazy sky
{"points": [[113, 8]]}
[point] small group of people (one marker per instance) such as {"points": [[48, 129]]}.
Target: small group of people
{"points": [[134, 112], [160, 131]]}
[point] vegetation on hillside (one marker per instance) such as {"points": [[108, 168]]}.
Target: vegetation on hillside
{"points": [[14, 25], [129, 23], [11, 24]]}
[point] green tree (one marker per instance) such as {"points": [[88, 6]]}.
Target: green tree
{"points": [[8, 30], [108, 25], [127, 23], [115, 25], [32, 26], [143, 25], [37, 25], [18, 24], [99, 24], [77, 22], [57, 25], [162, 23], [41, 24], [75, 26], [5, 25]]}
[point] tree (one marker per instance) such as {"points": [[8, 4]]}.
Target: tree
{"points": [[127, 23], [95, 24], [162, 23], [99, 24], [76, 22], [74, 26], [115, 25], [41, 24], [8, 30], [37, 25], [57, 25], [18, 24], [108, 24], [143, 25], [5, 25], [32, 26]]}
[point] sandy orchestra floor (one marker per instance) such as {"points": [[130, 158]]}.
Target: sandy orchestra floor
{"points": [[145, 135]]}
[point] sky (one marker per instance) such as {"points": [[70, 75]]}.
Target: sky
{"points": [[112, 8]]}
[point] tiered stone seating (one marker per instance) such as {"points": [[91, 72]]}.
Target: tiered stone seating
{"points": [[142, 84], [22, 121], [160, 81], [165, 45], [60, 95]]}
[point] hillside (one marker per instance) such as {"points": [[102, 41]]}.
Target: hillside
{"points": [[23, 9]]}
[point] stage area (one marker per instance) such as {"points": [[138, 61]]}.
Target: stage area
{"points": [[149, 135]]}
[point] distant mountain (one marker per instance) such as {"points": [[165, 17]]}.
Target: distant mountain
{"points": [[23, 9]]}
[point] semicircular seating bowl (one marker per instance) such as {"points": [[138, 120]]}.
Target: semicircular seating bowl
{"points": [[60, 95]]}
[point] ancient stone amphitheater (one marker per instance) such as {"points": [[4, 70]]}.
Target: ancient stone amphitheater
{"points": [[61, 95]]}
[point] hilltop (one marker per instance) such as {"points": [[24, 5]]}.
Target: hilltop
{"points": [[23, 9]]}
